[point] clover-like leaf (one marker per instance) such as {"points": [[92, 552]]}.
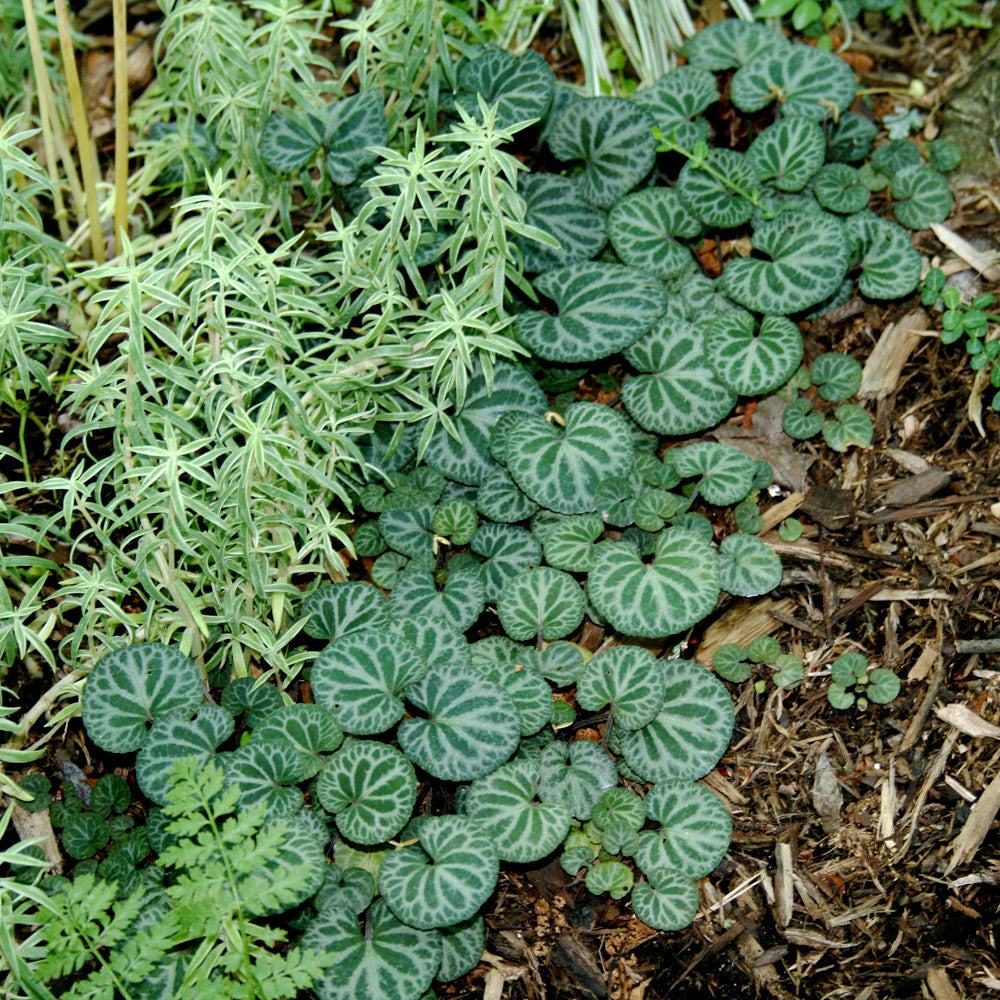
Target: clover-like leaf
{"points": [[678, 392], [747, 566], [612, 137], [554, 204], [391, 961], [370, 788], [462, 947], [714, 200], [542, 601], [836, 376], [601, 309], [809, 258], [267, 772], [726, 473], [642, 227], [352, 127], [569, 545], [508, 551], [788, 153], [361, 677], [466, 459], [505, 804], [694, 829], [287, 143], [805, 81], [459, 602], [850, 425], [922, 197], [177, 735], [752, 359], [612, 877], [575, 775], [799, 420], [521, 87], [883, 686], [500, 499], [561, 467], [838, 189], [691, 730], [130, 687], [890, 267], [626, 677], [311, 729], [678, 588], [731, 42], [471, 727], [443, 880]]}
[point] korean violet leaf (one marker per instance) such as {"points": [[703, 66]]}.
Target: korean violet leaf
{"points": [[459, 602], [601, 309], [799, 420], [541, 601], [752, 358], [84, 834], [667, 900], [445, 878], [922, 197], [851, 138], [678, 588], [642, 227], [455, 519], [690, 732], [850, 425], [554, 205], [311, 729], [500, 499], [890, 267], [747, 566], [370, 788], [628, 678], [838, 189], [569, 545], [836, 376], [338, 608], [575, 775], [612, 877], [677, 97], [248, 695], [508, 551], [613, 139], [351, 129], [521, 87], [345, 888], [528, 689], [560, 467], [731, 43], [408, 528], [462, 946], [505, 804], [288, 143], [267, 772], [130, 687], [726, 473], [471, 725], [788, 153], [716, 201], [619, 806]]}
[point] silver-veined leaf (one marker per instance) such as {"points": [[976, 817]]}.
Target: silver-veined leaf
{"points": [[800, 421], [455, 519], [890, 267], [838, 189], [612, 877], [788, 153], [850, 425], [555, 205], [836, 376], [409, 529], [352, 127], [338, 608], [642, 227], [286, 143], [247, 695], [268, 772], [500, 499], [626, 677], [619, 806], [675, 99], [459, 602], [511, 666], [350, 889], [667, 900], [569, 546], [851, 138], [311, 729], [726, 473], [753, 359], [521, 87], [712, 199], [922, 197], [575, 775], [462, 947], [747, 566], [542, 601], [561, 663], [508, 552], [731, 42]]}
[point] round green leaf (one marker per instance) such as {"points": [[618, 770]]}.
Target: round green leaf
{"points": [[569, 545], [899, 154], [561, 467], [456, 520], [790, 671], [691, 731], [352, 889], [575, 775], [462, 947], [836, 376], [338, 608], [109, 795], [360, 679], [731, 42], [444, 880], [850, 425], [311, 729], [130, 687], [352, 127], [752, 359], [561, 663], [713, 200], [612, 877], [883, 686], [809, 258], [267, 772], [852, 137], [668, 901], [601, 309], [944, 155], [521, 87], [747, 566], [287, 143], [391, 961], [922, 196], [612, 137], [788, 153], [694, 829], [673, 592], [471, 727], [459, 602], [554, 204], [890, 267], [510, 666], [505, 805], [247, 694], [681, 394], [730, 661], [642, 227], [84, 834], [838, 189], [500, 499], [799, 420], [542, 601], [654, 508], [370, 788], [508, 552], [726, 473], [407, 529], [619, 805], [764, 649], [626, 677]]}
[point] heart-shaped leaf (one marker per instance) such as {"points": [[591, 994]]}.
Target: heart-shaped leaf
{"points": [[922, 197], [747, 566], [510, 666], [726, 473], [626, 677], [350, 889], [850, 425], [731, 42], [575, 775], [409, 527], [506, 806], [455, 519], [883, 686], [247, 694], [677, 97], [836, 376], [177, 735], [694, 830], [619, 806], [667, 901], [753, 359], [601, 309], [339, 608], [352, 127], [690, 732], [717, 201], [462, 947], [361, 677], [500, 499], [555, 205], [851, 138], [680, 394], [267, 772], [109, 795], [542, 601], [391, 961], [521, 87], [799, 420], [288, 143], [561, 663], [890, 267], [460, 602], [805, 81], [471, 727], [642, 227], [612, 877], [370, 788], [731, 661], [444, 880], [788, 153], [673, 592], [467, 459], [311, 729], [838, 189], [561, 467], [570, 545], [84, 834], [130, 687], [612, 137], [508, 551], [655, 507], [899, 154], [809, 258]]}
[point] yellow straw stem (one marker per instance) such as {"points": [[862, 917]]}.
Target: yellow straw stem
{"points": [[121, 122], [85, 148]]}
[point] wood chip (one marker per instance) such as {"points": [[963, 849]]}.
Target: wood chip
{"points": [[976, 827], [776, 514], [38, 826], [745, 620], [985, 264], [916, 488], [784, 889], [827, 796], [967, 721], [901, 594], [940, 985], [929, 655], [880, 376], [908, 461]]}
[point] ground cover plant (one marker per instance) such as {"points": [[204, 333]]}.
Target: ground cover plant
{"points": [[427, 318]]}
